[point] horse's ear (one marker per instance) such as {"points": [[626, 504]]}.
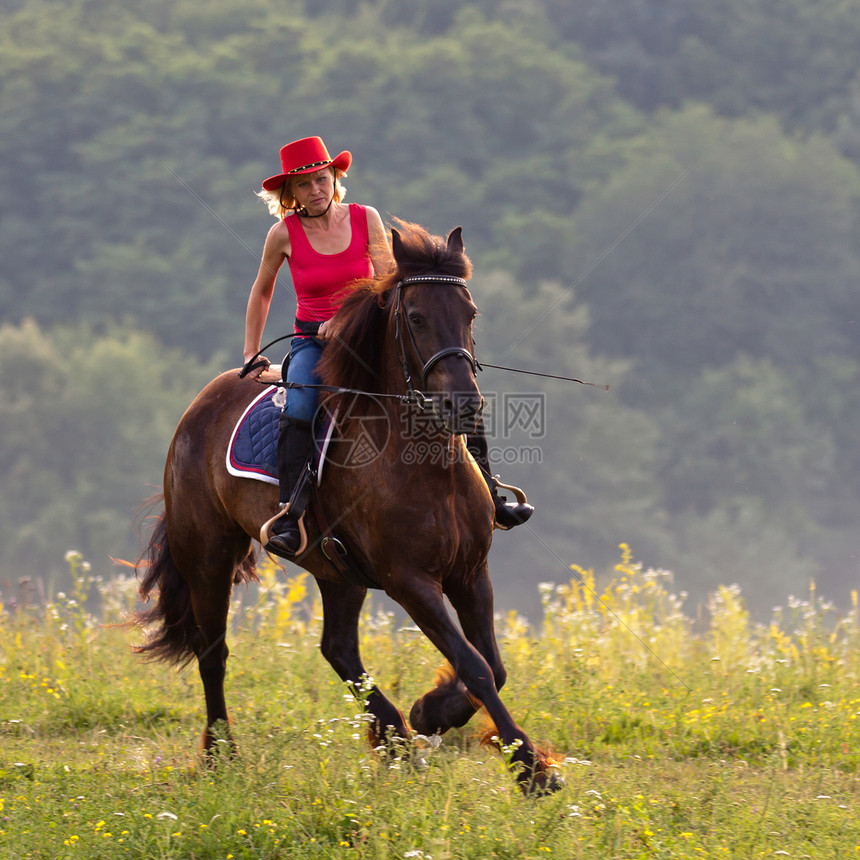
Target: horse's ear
{"points": [[455, 241], [396, 246]]}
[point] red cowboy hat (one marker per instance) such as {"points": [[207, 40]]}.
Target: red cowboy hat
{"points": [[306, 156]]}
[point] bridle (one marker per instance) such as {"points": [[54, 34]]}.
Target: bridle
{"points": [[401, 320]]}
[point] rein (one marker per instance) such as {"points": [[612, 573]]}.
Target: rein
{"points": [[412, 397], [599, 385]]}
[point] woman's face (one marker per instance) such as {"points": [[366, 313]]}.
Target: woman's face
{"points": [[314, 191]]}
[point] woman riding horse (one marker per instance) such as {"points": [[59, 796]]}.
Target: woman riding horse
{"points": [[418, 528], [329, 245]]}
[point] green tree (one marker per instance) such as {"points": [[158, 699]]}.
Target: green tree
{"points": [[587, 461], [704, 252], [720, 237], [722, 261], [792, 59], [746, 474], [87, 421], [133, 143]]}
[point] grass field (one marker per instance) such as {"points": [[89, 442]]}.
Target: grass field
{"points": [[676, 738]]}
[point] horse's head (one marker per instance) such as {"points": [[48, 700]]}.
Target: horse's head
{"points": [[432, 314]]}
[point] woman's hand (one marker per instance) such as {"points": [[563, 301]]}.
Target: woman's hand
{"points": [[255, 367], [326, 331]]}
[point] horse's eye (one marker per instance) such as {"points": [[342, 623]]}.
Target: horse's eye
{"points": [[416, 319]]}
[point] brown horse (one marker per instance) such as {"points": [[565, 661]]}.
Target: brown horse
{"points": [[406, 500]]}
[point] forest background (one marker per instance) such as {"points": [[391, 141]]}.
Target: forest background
{"points": [[658, 195]]}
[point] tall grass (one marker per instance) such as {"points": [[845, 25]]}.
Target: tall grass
{"points": [[712, 737]]}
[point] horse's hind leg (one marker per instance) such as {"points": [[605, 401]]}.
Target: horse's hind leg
{"points": [[341, 608], [209, 572]]}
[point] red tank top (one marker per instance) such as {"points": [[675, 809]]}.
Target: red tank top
{"points": [[320, 279]]}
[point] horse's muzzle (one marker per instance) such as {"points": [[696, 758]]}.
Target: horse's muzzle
{"points": [[460, 411]]}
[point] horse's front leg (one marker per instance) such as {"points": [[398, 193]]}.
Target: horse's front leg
{"points": [[341, 608], [472, 598], [423, 600], [450, 704]]}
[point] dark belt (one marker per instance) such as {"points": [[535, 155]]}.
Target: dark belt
{"points": [[305, 327]]}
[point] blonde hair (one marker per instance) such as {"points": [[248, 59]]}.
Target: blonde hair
{"points": [[280, 202]]}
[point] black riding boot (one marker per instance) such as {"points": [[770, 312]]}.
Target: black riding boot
{"points": [[508, 514], [283, 534]]}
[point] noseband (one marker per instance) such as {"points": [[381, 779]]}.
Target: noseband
{"points": [[400, 314]]}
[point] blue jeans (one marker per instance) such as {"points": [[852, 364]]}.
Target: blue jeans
{"points": [[302, 403]]}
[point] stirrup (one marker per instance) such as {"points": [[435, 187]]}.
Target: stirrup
{"points": [[521, 502], [265, 533], [518, 493]]}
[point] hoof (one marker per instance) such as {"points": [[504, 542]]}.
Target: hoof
{"points": [[541, 784]]}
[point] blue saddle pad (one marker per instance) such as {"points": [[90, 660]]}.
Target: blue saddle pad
{"points": [[253, 448], [252, 452]]}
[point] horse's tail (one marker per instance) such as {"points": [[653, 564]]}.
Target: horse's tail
{"points": [[172, 633]]}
